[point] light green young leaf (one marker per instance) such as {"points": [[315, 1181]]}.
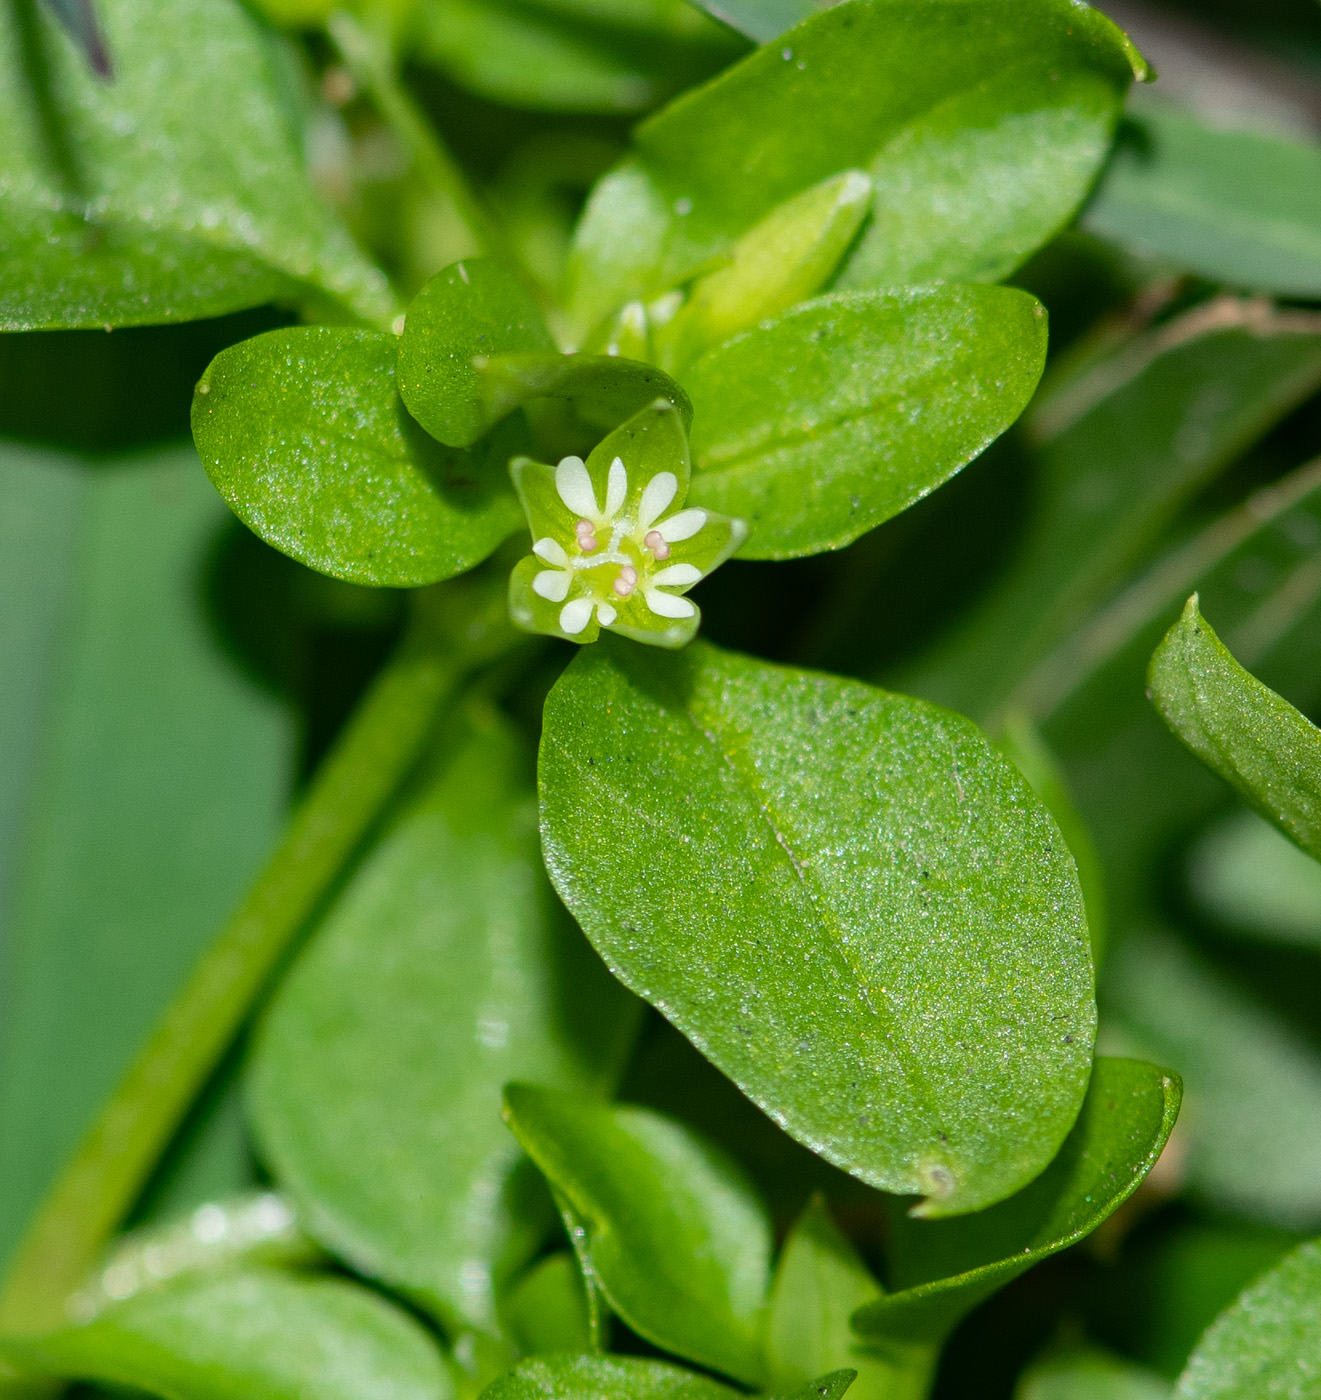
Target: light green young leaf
{"points": [[819, 1283], [1087, 1373], [1266, 1345], [604, 1378], [1267, 751], [760, 20], [446, 968], [678, 1239], [546, 1310], [471, 310], [142, 779], [1118, 450], [1231, 206], [846, 899], [174, 192], [1250, 879], [819, 425], [1253, 1127], [304, 435], [944, 1268], [254, 1334], [981, 130], [609, 547]]}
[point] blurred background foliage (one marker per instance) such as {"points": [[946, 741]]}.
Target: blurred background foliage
{"points": [[169, 681]]}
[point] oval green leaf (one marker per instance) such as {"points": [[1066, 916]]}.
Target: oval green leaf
{"points": [[981, 128], [819, 425], [446, 968], [679, 1242], [177, 191], [946, 1267], [844, 898], [604, 1378], [470, 311], [1266, 1345], [1267, 751], [304, 435], [248, 1335]]}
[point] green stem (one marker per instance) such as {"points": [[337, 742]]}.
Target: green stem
{"points": [[101, 1183], [374, 73]]}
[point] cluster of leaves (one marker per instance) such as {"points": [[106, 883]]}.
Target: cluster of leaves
{"points": [[629, 1016]]}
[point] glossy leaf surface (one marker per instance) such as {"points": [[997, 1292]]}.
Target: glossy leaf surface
{"points": [[980, 129], [446, 968], [845, 898], [142, 778], [604, 1378], [472, 310], [819, 425], [249, 1335], [602, 390], [1266, 1344], [174, 192], [677, 1237], [943, 1268], [304, 435], [1232, 206], [1258, 742]]}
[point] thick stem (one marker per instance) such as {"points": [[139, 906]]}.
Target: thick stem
{"points": [[101, 1183], [374, 73]]}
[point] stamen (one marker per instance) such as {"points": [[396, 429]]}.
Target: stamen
{"points": [[586, 534], [655, 542], [627, 581]]}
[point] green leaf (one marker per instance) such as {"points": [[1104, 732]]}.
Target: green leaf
{"points": [[546, 1311], [142, 779], [1087, 1373], [678, 1240], [1119, 449], [760, 20], [303, 434], [1266, 1344], [1253, 1129], [819, 1283], [980, 128], [446, 968], [944, 1268], [609, 548], [1232, 206], [604, 1378], [1248, 878], [474, 308], [248, 1335], [819, 425], [602, 390], [577, 57], [1264, 749], [846, 899], [176, 191]]}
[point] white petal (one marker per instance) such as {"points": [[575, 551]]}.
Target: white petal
{"points": [[575, 616], [605, 614], [552, 585], [616, 488], [575, 487], [666, 605], [677, 575], [656, 498], [552, 552], [682, 526]]}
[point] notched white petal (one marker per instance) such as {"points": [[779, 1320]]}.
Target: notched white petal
{"points": [[575, 616], [682, 526], [552, 551], [676, 576], [616, 488], [660, 491], [575, 487], [605, 614], [552, 585], [666, 605]]}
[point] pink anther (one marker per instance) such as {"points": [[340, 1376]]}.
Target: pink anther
{"points": [[586, 533], [655, 542], [627, 580]]}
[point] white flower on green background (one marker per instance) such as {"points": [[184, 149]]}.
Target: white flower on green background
{"points": [[613, 544]]}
